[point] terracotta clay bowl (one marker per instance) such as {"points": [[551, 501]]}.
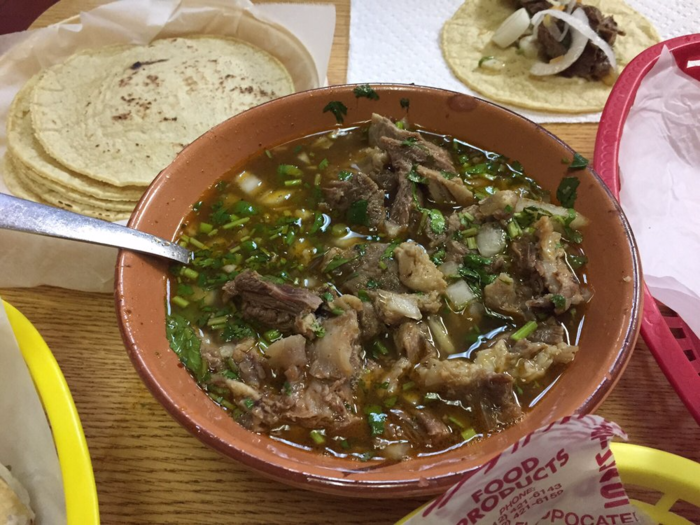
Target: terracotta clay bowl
{"points": [[610, 329]]}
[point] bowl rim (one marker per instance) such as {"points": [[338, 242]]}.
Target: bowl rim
{"points": [[339, 485]]}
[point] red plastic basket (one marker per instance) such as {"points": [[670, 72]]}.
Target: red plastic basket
{"points": [[673, 344]]}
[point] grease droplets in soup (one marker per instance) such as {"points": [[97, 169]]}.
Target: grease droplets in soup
{"points": [[378, 293]]}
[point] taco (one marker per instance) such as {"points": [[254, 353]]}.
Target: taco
{"points": [[548, 55]]}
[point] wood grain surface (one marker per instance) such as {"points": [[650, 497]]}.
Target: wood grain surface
{"points": [[149, 470]]}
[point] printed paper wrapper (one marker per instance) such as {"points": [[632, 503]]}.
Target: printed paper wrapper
{"points": [[564, 473], [26, 442], [300, 35]]}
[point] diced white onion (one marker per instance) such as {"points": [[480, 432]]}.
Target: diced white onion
{"points": [[304, 157], [491, 239], [512, 28], [449, 269], [249, 183], [440, 336], [529, 47], [459, 294], [275, 198], [559, 64], [492, 64], [579, 24]]}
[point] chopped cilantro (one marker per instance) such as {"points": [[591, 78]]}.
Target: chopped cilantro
{"points": [[323, 164], [372, 284], [559, 301], [405, 103], [244, 209], [318, 330], [576, 261], [338, 109], [336, 262], [578, 163], [364, 296], [566, 192], [365, 91], [185, 343], [357, 213], [437, 221], [409, 142], [345, 175]]}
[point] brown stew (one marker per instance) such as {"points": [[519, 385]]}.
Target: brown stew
{"points": [[377, 292]]}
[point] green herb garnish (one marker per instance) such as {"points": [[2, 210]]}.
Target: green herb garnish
{"points": [[357, 213], [365, 91], [579, 162], [185, 343], [338, 109], [566, 192], [405, 103]]}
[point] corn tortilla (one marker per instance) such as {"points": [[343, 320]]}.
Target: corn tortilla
{"points": [[120, 114]]}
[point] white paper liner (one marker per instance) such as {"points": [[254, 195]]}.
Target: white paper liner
{"points": [[26, 442], [660, 185]]}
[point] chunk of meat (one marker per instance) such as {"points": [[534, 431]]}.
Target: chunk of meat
{"points": [[404, 203], [373, 162], [593, 64], [288, 355], [490, 394], [250, 363], [317, 405], [505, 296], [416, 270], [394, 308], [445, 190], [535, 6], [274, 305], [437, 431], [391, 379], [526, 360], [370, 324], [347, 302], [550, 332], [340, 195], [375, 265], [242, 391], [335, 355], [501, 205], [418, 152], [306, 326], [383, 127], [552, 267], [412, 341]]}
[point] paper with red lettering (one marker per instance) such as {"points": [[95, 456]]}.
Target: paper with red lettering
{"points": [[564, 473]]}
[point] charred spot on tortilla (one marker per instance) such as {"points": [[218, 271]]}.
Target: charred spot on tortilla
{"points": [[137, 65]]}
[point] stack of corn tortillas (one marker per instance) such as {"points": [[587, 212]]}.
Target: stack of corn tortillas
{"points": [[90, 135]]}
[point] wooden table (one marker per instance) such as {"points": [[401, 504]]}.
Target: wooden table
{"points": [[150, 470]]}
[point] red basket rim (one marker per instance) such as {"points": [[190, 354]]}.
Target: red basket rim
{"points": [[673, 361]]}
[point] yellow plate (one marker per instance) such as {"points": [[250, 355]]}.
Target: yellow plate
{"points": [[76, 467], [676, 478]]}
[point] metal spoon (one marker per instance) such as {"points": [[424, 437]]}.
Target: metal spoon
{"points": [[30, 217]]}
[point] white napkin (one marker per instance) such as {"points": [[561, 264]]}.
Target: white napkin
{"points": [[29, 260], [399, 42], [660, 185], [26, 443]]}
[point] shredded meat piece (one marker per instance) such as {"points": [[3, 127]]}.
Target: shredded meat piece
{"points": [[397, 371], [370, 324], [593, 64], [363, 268], [335, 354], [500, 205], [434, 427], [373, 162], [526, 360], [342, 194], [383, 127], [490, 394], [419, 152], [551, 264], [506, 296], [288, 355], [274, 305], [416, 270], [316, 405], [535, 6], [394, 308], [412, 341], [550, 332], [251, 364], [404, 204], [445, 190]]}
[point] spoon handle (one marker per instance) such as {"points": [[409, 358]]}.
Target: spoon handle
{"points": [[30, 217]]}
